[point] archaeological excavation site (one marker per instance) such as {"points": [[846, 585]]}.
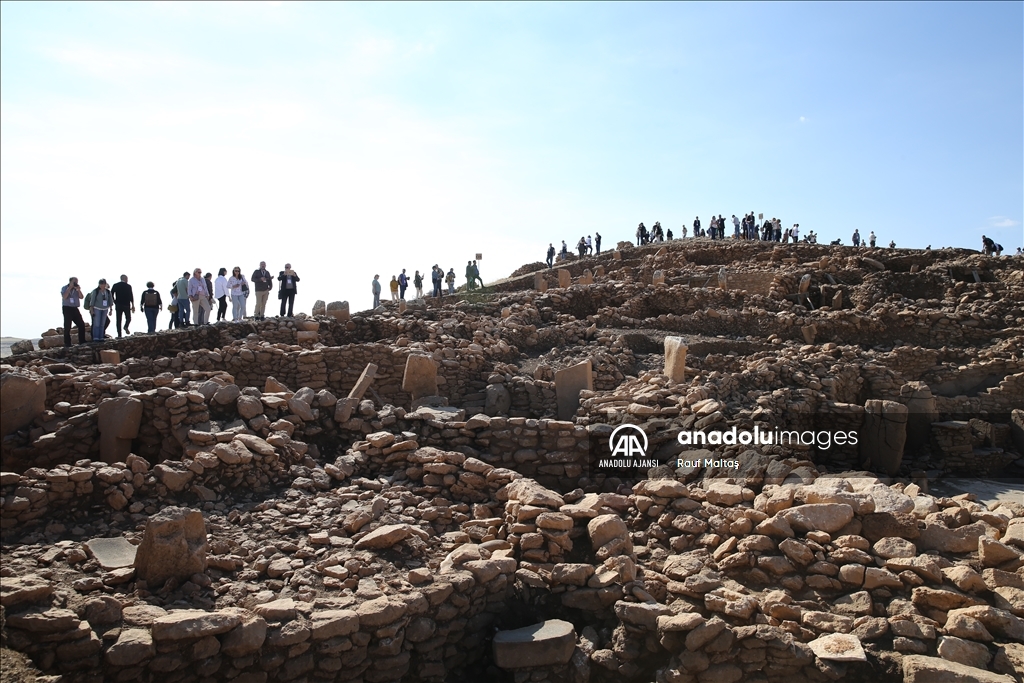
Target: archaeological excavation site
{"points": [[688, 462]]}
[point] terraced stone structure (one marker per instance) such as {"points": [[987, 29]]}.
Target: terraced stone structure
{"points": [[395, 496]]}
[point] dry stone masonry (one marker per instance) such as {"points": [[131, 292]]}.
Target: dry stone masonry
{"points": [[416, 493]]}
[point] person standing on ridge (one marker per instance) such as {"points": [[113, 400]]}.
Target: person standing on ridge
{"points": [[394, 288], [417, 282], [184, 309], [469, 277], [668, 235], [403, 284], [100, 302], [871, 239], [264, 282], [375, 287], [476, 274], [124, 303], [70, 300], [436, 276], [551, 255], [237, 286], [856, 237], [590, 246], [221, 293], [288, 289], [597, 242], [451, 280], [197, 294], [150, 303]]}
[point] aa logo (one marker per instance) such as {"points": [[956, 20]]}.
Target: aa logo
{"points": [[628, 441]]}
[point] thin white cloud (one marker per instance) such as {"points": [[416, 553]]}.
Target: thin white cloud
{"points": [[1002, 222], [803, 119], [115, 65]]}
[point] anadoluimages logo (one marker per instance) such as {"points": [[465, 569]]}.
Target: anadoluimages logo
{"points": [[625, 442]]}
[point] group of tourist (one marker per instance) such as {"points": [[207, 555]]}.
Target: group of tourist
{"points": [[587, 246], [193, 296], [438, 278]]}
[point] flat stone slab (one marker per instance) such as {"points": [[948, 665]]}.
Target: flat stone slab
{"points": [[112, 553], [547, 643], [838, 647]]}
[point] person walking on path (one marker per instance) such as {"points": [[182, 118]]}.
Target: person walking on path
{"points": [[124, 303], [288, 289], [100, 302], [417, 282], [150, 304], [597, 242], [236, 287], [375, 287], [403, 284], [264, 282], [551, 254], [451, 280], [590, 246], [184, 309], [221, 294], [70, 300], [198, 296]]}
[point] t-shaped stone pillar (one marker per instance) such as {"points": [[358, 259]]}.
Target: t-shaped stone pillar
{"points": [[420, 377], [564, 278], [675, 358], [540, 283], [119, 421], [569, 382]]}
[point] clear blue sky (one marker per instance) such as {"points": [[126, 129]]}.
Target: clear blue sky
{"points": [[354, 139]]}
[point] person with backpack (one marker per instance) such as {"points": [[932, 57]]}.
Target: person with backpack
{"points": [[451, 280], [99, 303], [264, 282], [238, 287], [417, 282], [183, 304], [124, 303], [151, 304], [70, 300], [288, 289]]}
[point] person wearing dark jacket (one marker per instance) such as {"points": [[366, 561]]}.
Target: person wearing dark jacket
{"points": [[150, 303], [288, 289], [264, 282], [124, 303]]}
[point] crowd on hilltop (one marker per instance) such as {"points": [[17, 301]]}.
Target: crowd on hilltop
{"points": [[193, 296], [438, 278]]}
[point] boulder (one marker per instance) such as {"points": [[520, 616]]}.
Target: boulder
{"points": [[173, 547], [339, 310], [497, 400], [924, 669]]}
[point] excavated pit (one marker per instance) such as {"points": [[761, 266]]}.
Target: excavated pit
{"points": [[353, 533]]}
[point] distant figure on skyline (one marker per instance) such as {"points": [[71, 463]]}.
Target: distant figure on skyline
{"points": [[551, 255], [124, 303], [597, 242], [375, 287], [394, 288], [70, 299]]}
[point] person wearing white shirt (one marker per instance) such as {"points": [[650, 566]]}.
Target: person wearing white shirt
{"points": [[221, 294]]}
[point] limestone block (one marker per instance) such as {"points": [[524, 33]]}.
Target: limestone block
{"points": [[599, 271], [110, 356], [921, 412], [540, 283], [112, 553], [564, 278], [119, 420], [319, 308], [883, 436], [22, 399], [837, 300], [675, 358], [420, 378], [809, 332], [306, 337], [569, 382], [173, 546], [805, 283], [338, 310], [548, 643], [401, 306], [723, 278], [587, 278], [22, 346], [617, 255], [364, 381], [497, 400], [659, 278]]}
